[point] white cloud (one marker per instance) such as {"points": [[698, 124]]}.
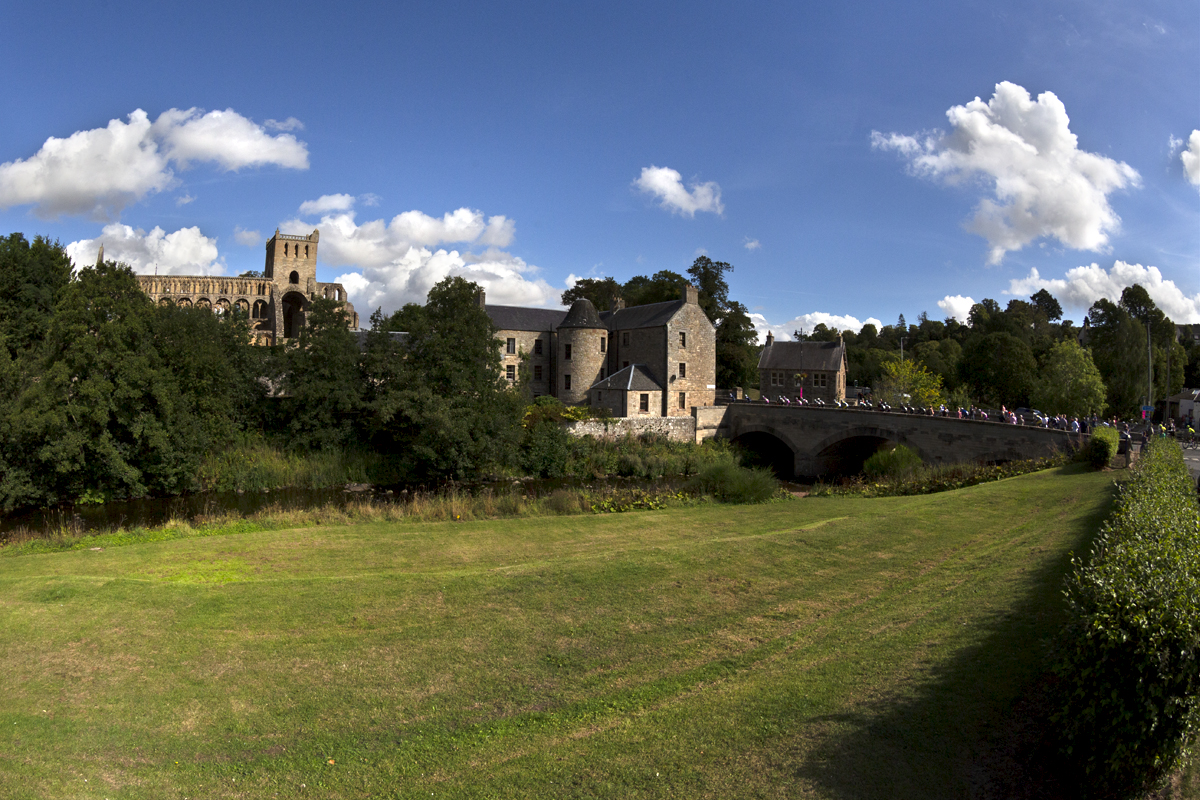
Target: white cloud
{"points": [[247, 238], [289, 124], [184, 252], [667, 184], [1082, 286], [806, 322], [957, 306], [1042, 183], [752, 244], [1191, 159], [184, 200], [400, 259], [326, 203], [99, 172]]}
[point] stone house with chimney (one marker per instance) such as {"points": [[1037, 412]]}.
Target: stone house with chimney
{"points": [[808, 370], [665, 352]]}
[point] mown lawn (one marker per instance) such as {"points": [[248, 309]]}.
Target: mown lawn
{"points": [[841, 648]]}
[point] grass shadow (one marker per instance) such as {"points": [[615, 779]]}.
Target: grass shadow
{"points": [[976, 726]]}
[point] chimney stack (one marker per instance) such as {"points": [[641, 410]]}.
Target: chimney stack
{"points": [[691, 294], [770, 338], [482, 298], [616, 302]]}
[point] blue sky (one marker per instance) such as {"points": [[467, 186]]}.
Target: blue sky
{"points": [[835, 154]]}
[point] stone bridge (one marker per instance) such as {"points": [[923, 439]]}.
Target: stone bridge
{"points": [[813, 441]]}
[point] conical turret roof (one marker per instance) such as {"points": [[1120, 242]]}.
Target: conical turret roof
{"points": [[582, 315]]}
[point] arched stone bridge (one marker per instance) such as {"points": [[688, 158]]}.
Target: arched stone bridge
{"points": [[813, 441]]}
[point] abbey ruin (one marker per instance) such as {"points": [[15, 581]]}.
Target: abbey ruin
{"points": [[275, 303]]}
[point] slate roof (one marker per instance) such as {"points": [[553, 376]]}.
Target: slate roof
{"points": [[582, 315], [518, 318], [634, 378], [824, 356], [651, 315]]}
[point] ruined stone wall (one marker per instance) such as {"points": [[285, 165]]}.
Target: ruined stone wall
{"points": [[677, 429]]}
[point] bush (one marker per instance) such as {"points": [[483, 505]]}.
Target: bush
{"points": [[1101, 447], [1131, 662], [730, 483], [895, 463]]}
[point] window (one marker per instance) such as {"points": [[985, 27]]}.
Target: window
{"points": [[306, 251], [537, 347], [510, 372], [682, 370], [625, 339], [683, 399], [820, 380], [510, 346], [603, 343], [567, 382], [776, 378], [537, 372], [294, 277], [566, 352], [285, 248], [599, 397], [644, 402], [683, 338], [602, 373]]}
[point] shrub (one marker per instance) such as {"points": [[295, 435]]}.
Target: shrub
{"points": [[1131, 662], [897, 462], [730, 483], [1101, 447]]}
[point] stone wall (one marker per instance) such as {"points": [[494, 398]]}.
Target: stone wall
{"points": [[523, 342], [677, 429], [699, 353]]}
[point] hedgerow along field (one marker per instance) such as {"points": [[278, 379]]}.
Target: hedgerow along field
{"points": [[828, 647]]}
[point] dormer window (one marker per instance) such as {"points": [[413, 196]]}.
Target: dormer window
{"points": [[294, 277]]}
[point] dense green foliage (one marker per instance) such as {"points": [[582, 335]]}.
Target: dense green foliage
{"points": [[730, 483], [896, 463], [934, 479], [1131, 665], [1101, 447]]}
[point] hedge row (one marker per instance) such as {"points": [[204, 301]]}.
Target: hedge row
{"points": [[1131, 665]]}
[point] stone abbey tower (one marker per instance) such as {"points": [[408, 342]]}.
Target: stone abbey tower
{"points": [[276, 303]]}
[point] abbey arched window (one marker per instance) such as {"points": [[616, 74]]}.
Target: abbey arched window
{"points": [[294, 277], [285, 249], [306, 251]]}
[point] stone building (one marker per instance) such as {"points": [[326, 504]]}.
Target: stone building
{"points": [[809, 370], [275, 303], [570, 353]]}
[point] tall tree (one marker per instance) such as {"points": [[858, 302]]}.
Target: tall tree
{"points": [[1069, 382], [32, 276], [444, 409], [601, 291], [661, 287], [323, 394], [998, 368]]}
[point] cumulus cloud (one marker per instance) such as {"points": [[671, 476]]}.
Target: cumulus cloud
{"points": [[1082, 286], [667, 185], [99, 172], [1191, 158], [751, 244], [247, 238], [1042, 184], [184, 252], [957, 307], [183, 200], [402, 258], [326, 203], [806, 322]]}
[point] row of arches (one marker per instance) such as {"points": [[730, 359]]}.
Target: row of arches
{"points": [[295, 253], [155, 285]]}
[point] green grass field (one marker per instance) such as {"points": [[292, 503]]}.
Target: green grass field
{"points": [[826, 647]]}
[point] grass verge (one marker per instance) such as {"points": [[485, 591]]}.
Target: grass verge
{"points": [[835, 647]]}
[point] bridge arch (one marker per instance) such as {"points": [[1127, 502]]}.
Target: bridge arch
{"points": [[844, 452], [768, 447]]}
